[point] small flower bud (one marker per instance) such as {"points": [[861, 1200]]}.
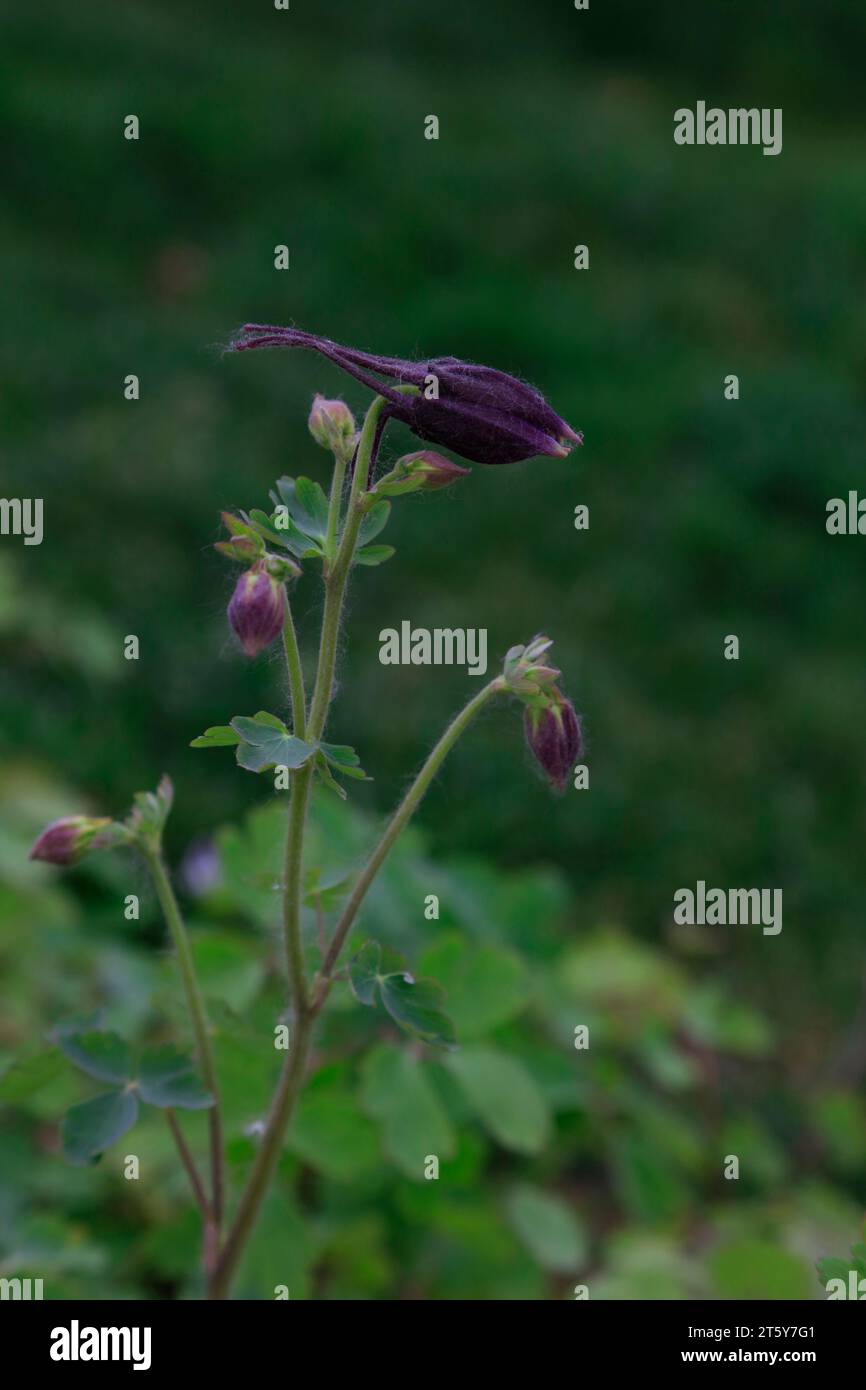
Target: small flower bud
{"points": [[554, 737], [332, 425], [65, 841], [257, 609], [432, 470]]}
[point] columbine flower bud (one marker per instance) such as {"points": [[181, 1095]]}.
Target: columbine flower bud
{"points": [[554, 738], [418, 472], [431, 470], [66, 841], [481, 413], [332, 425], [257, 609]]}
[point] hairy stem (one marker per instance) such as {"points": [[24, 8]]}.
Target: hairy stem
{"points": [[293, 857], [334, 506], [292, 1075], [198, 1018], [399, 820], [296, 674]]}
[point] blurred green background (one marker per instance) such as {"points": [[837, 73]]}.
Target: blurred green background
{"points": [[261, 127]]}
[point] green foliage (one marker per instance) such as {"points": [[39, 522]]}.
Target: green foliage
{"points": [[162, 1077], [265, 743], [415, 1004], [554, 1163], [831, 1268], [92, 1127]]}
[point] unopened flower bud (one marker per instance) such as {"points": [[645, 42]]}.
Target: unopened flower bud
{"points": [[65, 841], [257, 609], [554, 737], [432, 470], [332, 425]]}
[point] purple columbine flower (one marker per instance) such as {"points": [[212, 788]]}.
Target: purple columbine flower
{"points": [[554, 737], [65, 841], [483, 414], [257, 609]]}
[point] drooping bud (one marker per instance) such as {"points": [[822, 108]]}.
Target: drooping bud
{"points": [[332, 425], [554, 737], [65, 841], [257, 609], [481, 413]]}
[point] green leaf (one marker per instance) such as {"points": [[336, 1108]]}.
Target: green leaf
{"points": [[325, 893], [311, 508], [374, 522], [486, 986], [330, 1132], [417, 1006], [280, 1251], [374, 554], [344, 760], [396, 1091], [364, 972], [266, 742], [324, 773], [504, 1097], [263, 526], [28, 1075], [548, 1228], [166, 1078], [292, 538], [218, 736], [92, 1127], [104, 1056], [830, 1268]]}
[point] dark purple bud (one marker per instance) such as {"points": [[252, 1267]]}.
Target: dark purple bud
{"points": [[257, 609], [66, 841], [481, 413], [554, 738]]}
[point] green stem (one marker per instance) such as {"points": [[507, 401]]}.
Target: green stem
{"points": [[296, 674], [292, 875], [292, 1076], [188, 1162], [267, 1157], [398, 821], [293, 857], [340, 461], [198, 1018]]}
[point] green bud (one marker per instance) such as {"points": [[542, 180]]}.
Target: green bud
{"points": [[332, 425]]}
